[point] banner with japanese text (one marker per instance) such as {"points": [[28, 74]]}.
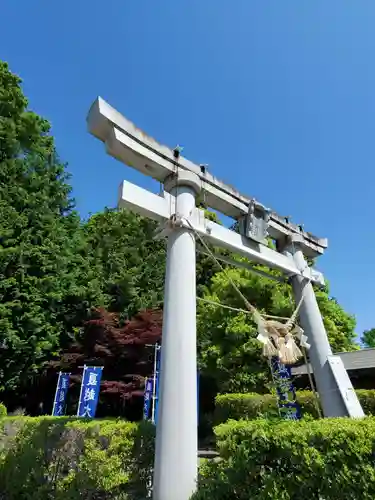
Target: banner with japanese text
{"points": [[90, 388], [147, 398], [62, 388]]}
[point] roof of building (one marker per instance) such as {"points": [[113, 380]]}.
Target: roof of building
{"points": [[355, 360]]}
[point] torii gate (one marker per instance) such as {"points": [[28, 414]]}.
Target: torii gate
{"points": [[175, 468]]}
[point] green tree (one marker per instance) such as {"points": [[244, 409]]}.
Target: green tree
{"points": [[368, 338], [44, 282], [228, 349], [127, 260]]}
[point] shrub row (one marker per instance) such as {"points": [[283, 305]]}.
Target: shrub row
{"points": [[328, 459], [62, 458], [250, 406]]}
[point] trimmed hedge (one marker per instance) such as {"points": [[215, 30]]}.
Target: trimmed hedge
{"points": [[252, 405], [62, 458], [3, 410], [328, 459]]}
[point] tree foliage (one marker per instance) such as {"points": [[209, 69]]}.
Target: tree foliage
{"points": [[127, 260], [368, 338], [340, 325], [69, 289]]}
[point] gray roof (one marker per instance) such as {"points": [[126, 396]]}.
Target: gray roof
{"points": [[355, 360]]}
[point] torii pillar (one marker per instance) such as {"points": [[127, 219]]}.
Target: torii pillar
{"points": [[176, 454]]}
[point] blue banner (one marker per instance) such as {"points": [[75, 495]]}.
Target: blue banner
{"points": [[157, 383], [90, 388], [286, 394], [62, 388], [198, 381], [147, 398]]}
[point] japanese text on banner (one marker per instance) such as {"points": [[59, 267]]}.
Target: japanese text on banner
{"points": [[286, 394]]}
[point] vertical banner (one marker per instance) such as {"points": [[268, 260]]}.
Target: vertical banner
{"points": [[62, 387], [90, 389], [286, 394], [157, 383], [147, 398]]}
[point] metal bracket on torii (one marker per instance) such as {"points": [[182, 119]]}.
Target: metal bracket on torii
{"points": [[176, 444], [162, 208]]}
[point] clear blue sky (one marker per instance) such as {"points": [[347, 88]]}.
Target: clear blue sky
{"points": [[277, 96]]}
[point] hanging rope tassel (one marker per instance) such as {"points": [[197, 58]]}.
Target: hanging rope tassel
{"points": [[275, 336], [269, 350]]}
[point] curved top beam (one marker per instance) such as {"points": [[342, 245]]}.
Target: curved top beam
{"points": [[132, 146]]}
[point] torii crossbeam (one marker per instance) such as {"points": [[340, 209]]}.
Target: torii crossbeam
{"points": [[175, 470]]}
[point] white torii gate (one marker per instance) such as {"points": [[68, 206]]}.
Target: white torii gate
{"points": [[175, 468]]}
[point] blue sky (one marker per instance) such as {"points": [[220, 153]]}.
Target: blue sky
{"points": [[277, 96]]}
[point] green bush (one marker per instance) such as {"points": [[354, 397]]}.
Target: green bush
{"points": [[3, 410], [328, 459], [62, 458], [251, 405]]}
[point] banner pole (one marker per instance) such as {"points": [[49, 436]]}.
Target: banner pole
{"points": [[56, 392], [154, 384]]}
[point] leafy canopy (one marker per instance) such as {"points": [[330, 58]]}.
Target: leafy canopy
{"points": [[54, 269]]}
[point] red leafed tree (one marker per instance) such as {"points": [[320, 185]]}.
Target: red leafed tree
{"points": [[124, 351]]}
